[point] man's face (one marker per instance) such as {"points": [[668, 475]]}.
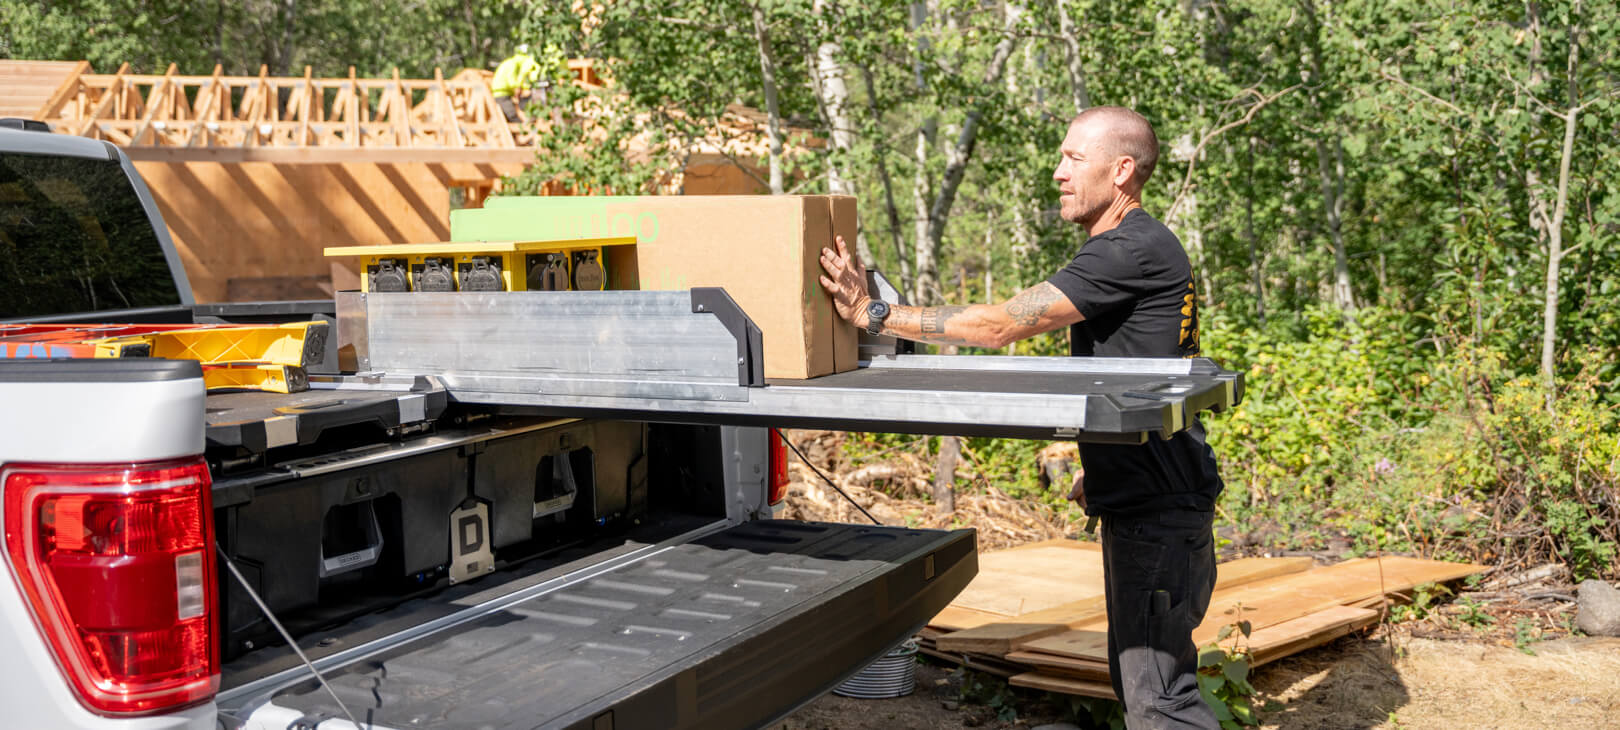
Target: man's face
{"points": [[1084, 174]]}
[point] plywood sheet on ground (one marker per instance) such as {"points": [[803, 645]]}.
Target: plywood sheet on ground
{"points": [[1265, 645], [1090, 670], [1014, 582], [1002, 637], [1271, 602], [1291, 637], [1063, 685]]}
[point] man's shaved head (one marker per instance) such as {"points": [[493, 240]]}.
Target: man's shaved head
{"points": [[1125, 134]]}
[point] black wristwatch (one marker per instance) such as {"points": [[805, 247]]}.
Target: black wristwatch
{"points": [[877, 310]]}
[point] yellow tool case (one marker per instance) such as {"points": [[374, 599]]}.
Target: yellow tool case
{"points": [[577, 264]]}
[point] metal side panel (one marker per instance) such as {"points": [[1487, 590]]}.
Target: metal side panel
{"points": [[1117, 400], [730, 631], [601, 344]]}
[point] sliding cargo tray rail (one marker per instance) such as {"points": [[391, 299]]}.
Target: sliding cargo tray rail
{"points": [[695, 357]]}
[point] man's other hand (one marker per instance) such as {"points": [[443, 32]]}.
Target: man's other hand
{"points": [[1077, 493], [845, 281]]}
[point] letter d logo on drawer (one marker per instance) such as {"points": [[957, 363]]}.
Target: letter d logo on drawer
{"points": [[470, 553]]}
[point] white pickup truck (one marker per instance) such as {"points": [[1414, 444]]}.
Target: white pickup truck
{"points": [[450, 533]]}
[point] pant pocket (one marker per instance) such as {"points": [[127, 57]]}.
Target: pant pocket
{"points": [[1169, 636]]}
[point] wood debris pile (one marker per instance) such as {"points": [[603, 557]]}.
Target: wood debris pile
{"points": [[894, 491], [1035, 613]]}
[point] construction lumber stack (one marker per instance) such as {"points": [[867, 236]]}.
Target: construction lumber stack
{"points": [[1035, 613]]}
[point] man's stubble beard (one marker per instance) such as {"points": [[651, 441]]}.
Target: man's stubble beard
{"points": [[1085, 215]]}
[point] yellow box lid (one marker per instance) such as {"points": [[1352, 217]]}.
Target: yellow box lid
{"points": [[452, 248]]}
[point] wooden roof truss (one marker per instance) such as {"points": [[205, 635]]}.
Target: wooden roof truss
{"points": [[171, 110]]}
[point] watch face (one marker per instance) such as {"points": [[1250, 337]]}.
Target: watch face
{"points": [[877, 309]]}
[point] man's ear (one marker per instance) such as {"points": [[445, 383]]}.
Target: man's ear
{"points": [[1124, 172]]}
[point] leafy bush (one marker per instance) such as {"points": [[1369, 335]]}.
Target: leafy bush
{"points": [[1349, 428], [1223, 679]]}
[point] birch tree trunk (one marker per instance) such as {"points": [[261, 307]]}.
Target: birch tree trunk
{"points": [[767, 70], [881, 151], [1329, 165], [1248, 233], [1555, 226], [1071, 56], [925, 287], [950, 453], [827, 71], [961, 153]]}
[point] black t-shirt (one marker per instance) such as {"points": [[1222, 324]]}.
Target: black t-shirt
{"points": [[1134, 286]]}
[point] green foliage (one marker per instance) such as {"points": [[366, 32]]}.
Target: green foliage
{"points": [[1414, 150], [1473, 614], [1424, 600], [1223, 679], [328, 35], [993, 692], [1347, 427], [1093, 712], [1525, 633]]}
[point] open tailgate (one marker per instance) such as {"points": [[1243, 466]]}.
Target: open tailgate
{"points": [[731, 630]]}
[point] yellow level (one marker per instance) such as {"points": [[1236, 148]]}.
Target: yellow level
{"points": [[267, 378], [577, 264], [299, 344]]}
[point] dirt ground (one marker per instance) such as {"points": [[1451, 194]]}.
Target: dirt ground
{"points": [[1459, 667], [1356, 682]]}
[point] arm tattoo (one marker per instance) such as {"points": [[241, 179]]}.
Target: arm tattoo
{"points": [[1031, 304], [934, 318], [923, 324]]}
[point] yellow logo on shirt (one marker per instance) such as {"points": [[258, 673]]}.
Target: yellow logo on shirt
{"points": [[1189, 323]]}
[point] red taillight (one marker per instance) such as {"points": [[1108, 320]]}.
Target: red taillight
{"points": [[779, 467], [117, 563]]}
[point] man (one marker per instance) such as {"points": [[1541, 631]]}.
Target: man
{"points": [[514, 80], [1128, 292]]}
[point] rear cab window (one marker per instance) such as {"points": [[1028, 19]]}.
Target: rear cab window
{"points": [[74, 237]]}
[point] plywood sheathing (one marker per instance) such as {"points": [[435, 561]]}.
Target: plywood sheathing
{"points": [[1291, 606], [32, 88]]}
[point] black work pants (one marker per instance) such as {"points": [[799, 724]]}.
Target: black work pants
{"points": [[1159, 572]]}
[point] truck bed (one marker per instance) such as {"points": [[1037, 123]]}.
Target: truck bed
{"points": [[687, 633]]}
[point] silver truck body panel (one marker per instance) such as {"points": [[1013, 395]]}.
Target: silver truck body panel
{"points": [[101, 423]]}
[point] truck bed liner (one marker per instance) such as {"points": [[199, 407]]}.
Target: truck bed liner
{"points": [[688, 636]]}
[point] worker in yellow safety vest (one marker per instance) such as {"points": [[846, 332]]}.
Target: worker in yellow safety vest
{"points": [[515, 80]]}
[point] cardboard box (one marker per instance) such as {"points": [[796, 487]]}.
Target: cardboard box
{"points": [[764, 250]]}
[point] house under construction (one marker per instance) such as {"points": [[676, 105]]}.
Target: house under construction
{"points": [[255, 175]]}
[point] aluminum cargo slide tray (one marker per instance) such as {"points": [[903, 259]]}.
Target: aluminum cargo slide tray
{"points": [[1121, 400], [729, 631], [696, 357]]}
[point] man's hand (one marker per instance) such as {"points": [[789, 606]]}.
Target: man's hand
{"points": [[845, 281], [1077, 493]]}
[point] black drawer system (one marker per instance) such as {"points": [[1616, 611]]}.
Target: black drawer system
{"points": [[327, 537]]}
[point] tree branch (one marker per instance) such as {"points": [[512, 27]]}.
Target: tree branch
{"points": [[1192, 162], [1392, 78]]}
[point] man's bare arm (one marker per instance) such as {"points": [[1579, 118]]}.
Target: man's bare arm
{"points": [[1040, 308]]}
